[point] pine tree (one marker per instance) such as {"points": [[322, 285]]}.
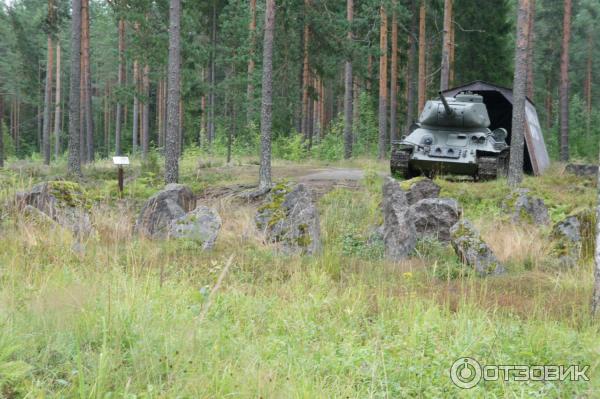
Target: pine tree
{"points": [[173, 96], [266, 119], [348, 87], [515, 169], [564, 83], [382, 83], [74, 163]]}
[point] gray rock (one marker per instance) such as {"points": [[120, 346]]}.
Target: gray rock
{"points": [[291, 219], [567, 241], [583, 170], [173, 202], [201, 225], [526, 208], [399, 234], [64, 202], [420, 188], [433, 217], [473, 251]]}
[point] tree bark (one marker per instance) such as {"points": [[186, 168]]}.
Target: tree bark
{"points": [[48, 99], [411, 78], [146, 111], [121, 78], [530, 48], [305, 73], [515, 168], [422, 49], [446, 44], [348, 87], [588, 79], [211, 116], [394, 78], [264, 182], [171, 153], [382, 84], [57, 104], [250, 89], [564, 83], [74, 162], [136, 117], [87, 72], [451, 56], [355, 111]]}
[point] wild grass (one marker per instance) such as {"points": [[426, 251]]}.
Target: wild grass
{"points": [[123, 317]]}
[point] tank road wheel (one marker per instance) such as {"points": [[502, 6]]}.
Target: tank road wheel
{"points": [[490, 167], [399, 166]]}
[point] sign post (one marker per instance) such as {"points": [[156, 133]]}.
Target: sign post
{"points": [[120, 161]]}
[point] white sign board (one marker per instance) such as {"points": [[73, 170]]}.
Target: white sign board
{"points": [[121, 160]]}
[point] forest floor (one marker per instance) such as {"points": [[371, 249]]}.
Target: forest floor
{"points": [[122, 317]]}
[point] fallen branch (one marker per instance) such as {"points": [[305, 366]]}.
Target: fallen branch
{"points": [[215, 289]]}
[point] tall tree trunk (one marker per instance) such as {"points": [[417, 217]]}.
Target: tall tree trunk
{"points": [[382, 84], [530, 47], [264, 180], [74, 163], [250, 89], [411, 76], [394, 78], [82, 135], [57, 104], [136, 117], [159, 112], [174, 95], [515, 168], [121, 79], [48, 99], [355, 111], [348, 87], [446, 44], [146, 111], [106, 119], [451, 56], [305, 73], [211, 117], [564, 83], [588, 79], [87, 72], [422, 49]]}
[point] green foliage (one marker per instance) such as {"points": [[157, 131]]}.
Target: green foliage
{"points": [[291, 148]]}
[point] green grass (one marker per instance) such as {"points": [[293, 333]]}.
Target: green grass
{"points": [[121, 320]]}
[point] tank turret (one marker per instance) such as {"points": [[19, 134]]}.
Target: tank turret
{"points": [[452, 136]]}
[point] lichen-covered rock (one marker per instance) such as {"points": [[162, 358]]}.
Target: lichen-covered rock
{"points": [[173, 202], [433, 217], [582, 170], [525, 208], [201, 225], [62, 201], [567, 244], [290, 218], [399, 234], [574, 237], [473, 251], [419, 188]]}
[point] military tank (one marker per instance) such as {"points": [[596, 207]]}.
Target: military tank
{"points": [[452, 136]]}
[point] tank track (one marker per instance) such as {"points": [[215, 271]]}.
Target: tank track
{"points": [[492, 166], [399, 163]]}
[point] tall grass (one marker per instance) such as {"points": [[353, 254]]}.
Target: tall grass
{"points": [[122, 318]]}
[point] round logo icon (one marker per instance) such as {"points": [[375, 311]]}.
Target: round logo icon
{"points": [[465, 372]]}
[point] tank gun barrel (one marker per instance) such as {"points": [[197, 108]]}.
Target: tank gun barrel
{"points": [[449, 111]]}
